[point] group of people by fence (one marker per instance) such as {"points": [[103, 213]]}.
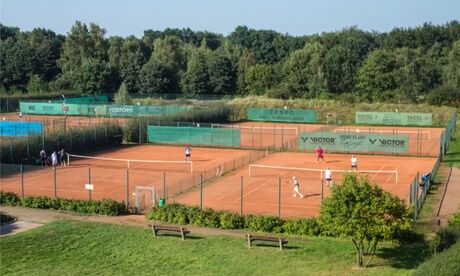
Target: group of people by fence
{"points": [[55, 159]]}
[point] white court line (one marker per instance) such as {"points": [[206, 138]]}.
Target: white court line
{"points": [[377, 173], [397, 167]]}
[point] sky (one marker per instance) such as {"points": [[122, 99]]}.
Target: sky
{"points": [[296, 17]]}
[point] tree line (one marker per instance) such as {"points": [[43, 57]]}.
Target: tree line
{"points": [[406, 64]]}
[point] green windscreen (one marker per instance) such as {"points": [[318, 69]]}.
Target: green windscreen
{"points": [[394, 118], [350, 142], [194, 136], [282, 115]]}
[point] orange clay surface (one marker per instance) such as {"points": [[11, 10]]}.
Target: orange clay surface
{"points": [[109, 177], [422, 141], [52, 122], [260, 191]]}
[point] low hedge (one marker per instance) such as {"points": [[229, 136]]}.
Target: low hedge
{"points": [[100, 207], [445, 263], [182, 214]]}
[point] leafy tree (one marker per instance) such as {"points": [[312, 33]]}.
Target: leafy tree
{"points": [[168, 51], [81, 44], [245, 61], [8, 32], [46, 46], [452, 69], [36, 84], [259, 79], [156, 78], [17, 63], [222, 74], [93, 77], [196, 79], [365, 213], [122, 96], [303, 73], [377, 74]]}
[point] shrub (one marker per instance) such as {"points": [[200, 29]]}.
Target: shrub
{"points": [[455, 219], [8, 199], [104, 207], [445, 263], [443, 239], [263, 223], [307, 226]]}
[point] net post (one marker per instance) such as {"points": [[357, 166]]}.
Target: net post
{"points": [[201, 191], [322, 185], [279, 197], [68, 159], [127, 190], [89, 182], [22, 180], [191, 166], [241, 196], [54, 180], [164, 185]]}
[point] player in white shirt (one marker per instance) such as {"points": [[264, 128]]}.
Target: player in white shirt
{"points": [[354, 162], [188, 154], [328, 176], [295, 182]]}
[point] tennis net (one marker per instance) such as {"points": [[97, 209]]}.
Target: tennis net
{"points": [[261, 129], [280, 171], [116, 163]]}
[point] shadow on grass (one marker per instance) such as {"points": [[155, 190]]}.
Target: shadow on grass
{"points": [[405, 256], [187, 237], [275, 246]]}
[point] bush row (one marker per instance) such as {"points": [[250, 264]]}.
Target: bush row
{"points": [[138, 126], [103, 207], [75, 140], [182, 214]]}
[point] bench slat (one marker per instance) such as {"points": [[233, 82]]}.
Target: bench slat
{"points": [[280, 241]]}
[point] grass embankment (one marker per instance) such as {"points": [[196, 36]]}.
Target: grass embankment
{"points": [[452, 157], [71, 247], [342, 111]]}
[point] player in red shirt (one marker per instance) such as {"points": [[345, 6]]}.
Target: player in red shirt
{"points": [[319, 154]]}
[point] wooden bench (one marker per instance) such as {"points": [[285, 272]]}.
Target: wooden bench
{"points": [[280, 241], [182, 230]]}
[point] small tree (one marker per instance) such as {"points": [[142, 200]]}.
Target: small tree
{"points": [[365, 213], [122, 96]]}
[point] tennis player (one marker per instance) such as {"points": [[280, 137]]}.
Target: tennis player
{"points": [[319, 154], [54, 159], [354, 162], [328, 176], [188, 154], [295, 182]]}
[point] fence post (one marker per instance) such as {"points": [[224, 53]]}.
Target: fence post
{"points": [[140, 139], [279, 197], [164, 186], [201, 191], [241, 196], [127, 190], [22, 180], [54, 177], [89, 182]]}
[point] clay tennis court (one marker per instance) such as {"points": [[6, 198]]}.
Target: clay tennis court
{"points": [[110, 177], [260, 190], [422, 141]]}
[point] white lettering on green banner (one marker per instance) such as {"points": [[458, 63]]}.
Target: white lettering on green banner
{"points": [[282, 115], [394, 118], [347, 142]]}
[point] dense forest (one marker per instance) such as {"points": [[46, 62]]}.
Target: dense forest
{"points": [[420, 64]]}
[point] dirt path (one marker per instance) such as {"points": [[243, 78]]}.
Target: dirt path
{"points": [[28, 218], [451, 203]]}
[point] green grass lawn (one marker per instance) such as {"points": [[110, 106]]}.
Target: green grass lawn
{"points": [[453, 154], [71, 247]]}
